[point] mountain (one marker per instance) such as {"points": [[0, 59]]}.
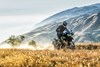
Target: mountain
{"points": [[84, 21]]}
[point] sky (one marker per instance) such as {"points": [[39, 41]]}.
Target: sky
{"points": [[20, 16]]}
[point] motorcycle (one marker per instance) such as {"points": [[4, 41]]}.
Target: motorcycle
{"points": [[67, 40]]}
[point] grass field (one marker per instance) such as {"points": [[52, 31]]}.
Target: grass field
{"points": [[51, 58]]}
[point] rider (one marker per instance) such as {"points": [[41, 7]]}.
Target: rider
{"points": [[60, 30]]}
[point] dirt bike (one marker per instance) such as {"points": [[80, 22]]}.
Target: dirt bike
{"points": [[67, 40]]}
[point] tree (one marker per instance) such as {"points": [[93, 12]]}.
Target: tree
{"points": [[32, 42], [13, 40]]}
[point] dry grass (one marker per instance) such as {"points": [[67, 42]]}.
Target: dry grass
{"points": [[88, 46], [49, 58]]}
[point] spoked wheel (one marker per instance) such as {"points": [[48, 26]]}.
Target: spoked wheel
{"points": [[71, 45], [57, 44]]}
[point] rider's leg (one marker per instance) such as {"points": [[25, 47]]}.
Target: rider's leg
{"points": [[59, 37]]}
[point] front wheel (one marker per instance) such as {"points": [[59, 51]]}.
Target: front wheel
{"points": [[71, 45]]}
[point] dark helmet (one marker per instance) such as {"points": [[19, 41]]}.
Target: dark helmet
{"points": [[65, 23]]}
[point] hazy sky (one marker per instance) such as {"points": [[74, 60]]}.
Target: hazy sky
{"points": [[39, 7], [19, 16]]}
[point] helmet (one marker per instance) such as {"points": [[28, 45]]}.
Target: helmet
{"points": [[65, 23]]}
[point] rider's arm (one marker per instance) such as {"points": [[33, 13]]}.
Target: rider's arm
{"points": [[66, 31], [58, 29]]}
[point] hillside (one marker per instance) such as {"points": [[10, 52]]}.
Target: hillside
{"points": [[84, 21]]}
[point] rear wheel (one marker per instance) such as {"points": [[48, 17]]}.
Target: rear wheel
{"points": [[56, 44]]}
